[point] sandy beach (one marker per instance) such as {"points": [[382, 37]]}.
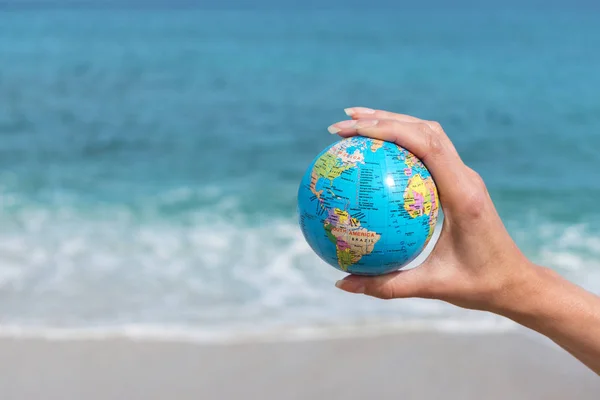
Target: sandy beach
{"points": [[407, 366]]}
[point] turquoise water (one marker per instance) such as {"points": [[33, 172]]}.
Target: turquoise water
{"points": [[150, 159]]}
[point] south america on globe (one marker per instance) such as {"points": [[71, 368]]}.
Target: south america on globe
{"points": [[366, 206]]}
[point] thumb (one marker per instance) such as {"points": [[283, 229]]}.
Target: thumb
{"points": [[396, 285]]}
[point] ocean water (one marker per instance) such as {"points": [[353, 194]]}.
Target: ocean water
{"points": [[150, 158]]}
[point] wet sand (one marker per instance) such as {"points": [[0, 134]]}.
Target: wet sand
{"points": [[402, 366]]}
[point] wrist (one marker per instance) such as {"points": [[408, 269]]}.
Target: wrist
{"points": [[521, 295]]}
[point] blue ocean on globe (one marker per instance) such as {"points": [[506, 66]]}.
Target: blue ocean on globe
{"points": [[366, 206]]}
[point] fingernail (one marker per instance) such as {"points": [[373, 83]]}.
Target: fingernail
{"points": [[358, 110], [350, 287], [333, 130], [352, 124]]}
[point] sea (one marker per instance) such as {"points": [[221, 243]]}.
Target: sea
{"points": [[150, 155]]}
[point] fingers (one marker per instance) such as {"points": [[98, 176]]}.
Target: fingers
{"points": [[432, 146], [357, 113], [368, 113], [397, 285]]}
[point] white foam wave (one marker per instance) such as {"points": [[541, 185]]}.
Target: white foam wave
{"points": [[212, 274], [572, 250], [157, 333]]}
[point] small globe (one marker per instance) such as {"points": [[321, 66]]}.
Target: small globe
{"points": [[367, 207]]}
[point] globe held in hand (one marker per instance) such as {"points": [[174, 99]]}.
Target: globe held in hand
{"points": [[367, 207]]}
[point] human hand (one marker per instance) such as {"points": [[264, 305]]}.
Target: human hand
{"points": [[475, 264]]}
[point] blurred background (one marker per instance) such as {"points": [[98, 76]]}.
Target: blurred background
{"points": [[150, 152]]}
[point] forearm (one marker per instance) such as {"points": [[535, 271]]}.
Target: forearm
{"points": [[560, 310]]}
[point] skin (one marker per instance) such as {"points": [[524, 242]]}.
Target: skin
{"points": [[475, 264]]}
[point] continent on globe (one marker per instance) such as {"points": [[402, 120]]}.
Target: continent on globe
{"points": [[434, 209], [377, 144], [417, 198], [332, 163], [351, 240], [367, 206], [420, 198]]}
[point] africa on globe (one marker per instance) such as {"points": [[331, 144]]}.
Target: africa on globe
{"points": [[367, 207]]}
